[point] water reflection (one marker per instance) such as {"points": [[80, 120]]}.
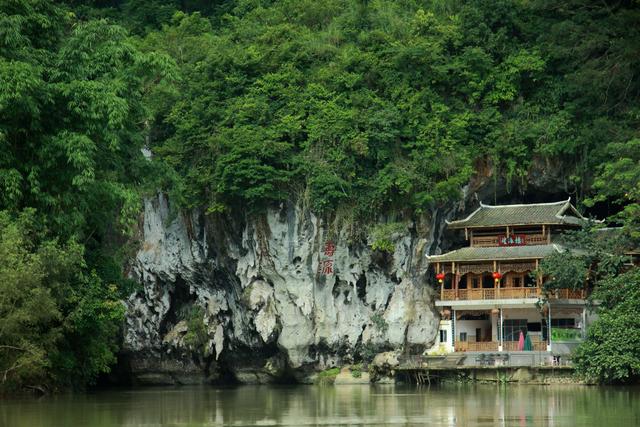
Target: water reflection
{"points": [[462, 405]]}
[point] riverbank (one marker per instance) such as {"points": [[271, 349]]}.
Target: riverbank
{"points": [[543, 375], [539, 375]]}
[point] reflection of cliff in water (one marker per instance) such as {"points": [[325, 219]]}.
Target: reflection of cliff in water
{"points": [[461, 405]]}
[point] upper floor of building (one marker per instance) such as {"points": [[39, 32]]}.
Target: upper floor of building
{"points": [[518, 225]]}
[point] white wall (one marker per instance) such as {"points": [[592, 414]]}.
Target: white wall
{"points": [[438, 347], [531, 314], [469, 326], [566, 314], [446, 326], [534, 315]]}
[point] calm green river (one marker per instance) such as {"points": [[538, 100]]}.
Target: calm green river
{"points": [[332, 406]]}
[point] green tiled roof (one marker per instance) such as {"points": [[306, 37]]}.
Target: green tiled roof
{"points": [[497, 253], [562, 212]]}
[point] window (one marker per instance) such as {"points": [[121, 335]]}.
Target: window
{"points": [[534, 327], [530, 281], [563, 323], [475, 282], [511, 328], [487, 281], [443, 335], [463, 336], [517, 282], [448, 282], [469, 316]]}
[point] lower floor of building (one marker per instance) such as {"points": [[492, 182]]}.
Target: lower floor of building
{"points": [[510, 329]]}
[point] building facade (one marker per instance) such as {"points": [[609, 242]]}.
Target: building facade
{"points": [[490, 292]]}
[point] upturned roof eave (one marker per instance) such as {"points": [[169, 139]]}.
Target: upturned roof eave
{"points": [[465, 219]]}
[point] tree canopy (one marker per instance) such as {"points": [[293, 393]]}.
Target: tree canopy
{"points": [[72, 117], [391, 104]]}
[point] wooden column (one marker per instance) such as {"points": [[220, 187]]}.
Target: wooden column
{"points": [[455, 278], [549, 327], [441, 284], [453, 328], [500, 348]]}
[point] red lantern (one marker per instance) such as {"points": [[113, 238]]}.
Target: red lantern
{"points": [[497, 275], [440, 277]]}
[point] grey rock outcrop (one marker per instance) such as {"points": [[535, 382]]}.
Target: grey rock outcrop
{"points": [[270, 304]]}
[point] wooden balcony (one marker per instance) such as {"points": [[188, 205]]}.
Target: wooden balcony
{"points": [[475, 346], [506, 293], [489, 293], [569, 294], [463, 346], [513, 346]]}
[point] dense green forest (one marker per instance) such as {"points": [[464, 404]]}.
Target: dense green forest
{"points": [[350, 106]]}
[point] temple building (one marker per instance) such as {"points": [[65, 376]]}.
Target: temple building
{"points": [[490, 291]]}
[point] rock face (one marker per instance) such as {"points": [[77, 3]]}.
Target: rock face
{"points": [[273, 296]]}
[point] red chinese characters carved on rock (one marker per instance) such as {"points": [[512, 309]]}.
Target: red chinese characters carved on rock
{"points": [[325, 267], [329, 248]]}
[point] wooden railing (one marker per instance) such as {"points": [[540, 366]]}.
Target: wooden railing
{"points": [[568, 294], [493, 346], [492, 241], [537, 239], [476, 346], [513, 346], [484, 241], [489, 293], [507, 293]]}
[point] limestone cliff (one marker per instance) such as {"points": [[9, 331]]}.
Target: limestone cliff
{"points": [[281, 294]]}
